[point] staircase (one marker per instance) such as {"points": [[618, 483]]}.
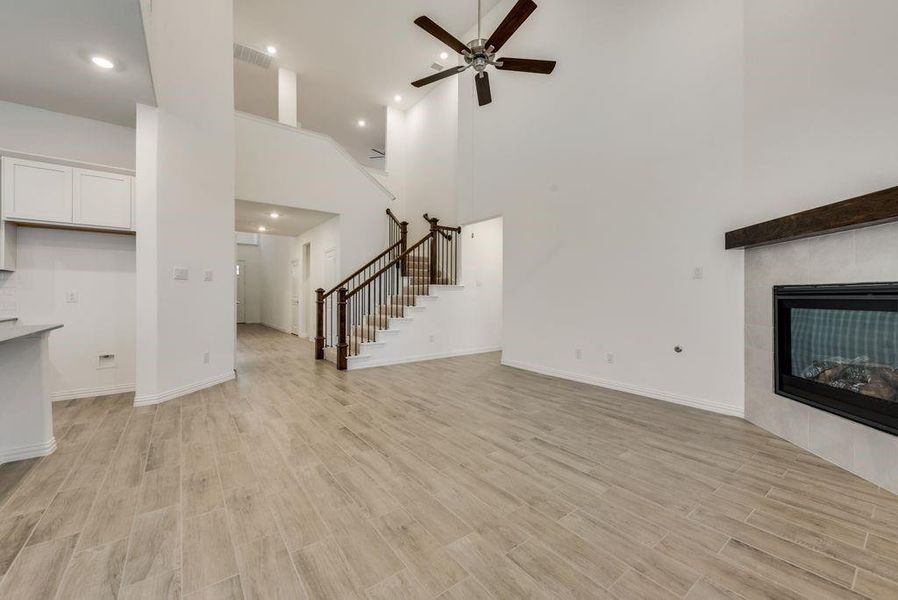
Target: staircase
{"points": [[382, 294]]}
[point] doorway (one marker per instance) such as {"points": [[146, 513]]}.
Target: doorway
{"points": [[295, 303], [240, 290], [306, 290]]}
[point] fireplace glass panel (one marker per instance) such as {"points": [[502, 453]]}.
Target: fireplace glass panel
{"points": [[854, 350]]}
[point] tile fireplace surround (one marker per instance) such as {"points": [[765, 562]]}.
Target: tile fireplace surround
{"points": [[862, 255]]}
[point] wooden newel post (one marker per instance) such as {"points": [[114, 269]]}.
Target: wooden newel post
{"points": [[319, 324], [433, 249], [342, 345], [403, 238]]}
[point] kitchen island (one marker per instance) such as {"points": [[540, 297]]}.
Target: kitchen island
{"points": [[26, 416]]}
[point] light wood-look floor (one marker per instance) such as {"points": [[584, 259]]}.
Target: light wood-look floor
{"points": [[456, 479]]}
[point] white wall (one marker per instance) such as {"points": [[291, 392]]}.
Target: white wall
{"points": [[253, 282], [320, 239], [99, 269], [185, 201], [820, 118], [395, 162], [276, 253], [36, 131], [428, 137], [617, 176], [480, 271], [294, 167], [99, 266]]}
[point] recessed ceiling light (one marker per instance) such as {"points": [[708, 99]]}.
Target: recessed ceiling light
{"points": [[397, 98], [102, 62], [362, 123], [262, 228], [274, 215], [444, 55], [271, 50]]}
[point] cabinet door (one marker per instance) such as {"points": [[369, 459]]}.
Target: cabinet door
{"points": [[36, 191], [102, 199]]}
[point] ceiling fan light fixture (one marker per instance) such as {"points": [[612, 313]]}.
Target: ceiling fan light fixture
{"points": [[481, 53]]}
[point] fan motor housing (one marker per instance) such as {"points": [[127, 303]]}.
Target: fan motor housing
{"points": [[479, 56]]}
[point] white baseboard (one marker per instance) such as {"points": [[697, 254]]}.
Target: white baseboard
{"points": [[24, 452], [107, 390], [723, 409], [149, 399], [425, 357]]}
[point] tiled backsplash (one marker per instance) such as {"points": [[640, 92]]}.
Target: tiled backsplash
{"points": [[863, 255]]}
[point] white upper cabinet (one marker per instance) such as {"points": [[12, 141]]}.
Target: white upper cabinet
{"points": [[36, 191], [40, 192], [102, 199]]}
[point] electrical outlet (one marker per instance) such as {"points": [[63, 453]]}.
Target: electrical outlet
{"points": [[180, 274], [205, 358], [207, 275], [578, 353], [433, 338], [610, 358], [71, 297], [698, 273]]}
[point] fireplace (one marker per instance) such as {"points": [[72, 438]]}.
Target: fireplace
{"points": [[836, 349]]}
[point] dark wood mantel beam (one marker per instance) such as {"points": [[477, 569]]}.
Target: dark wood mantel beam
{"points": [[870, 209]]}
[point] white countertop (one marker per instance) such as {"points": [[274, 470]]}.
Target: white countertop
{"points": [[15, 332]]}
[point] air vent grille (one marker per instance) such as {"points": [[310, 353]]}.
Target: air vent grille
{"points": [[252, 56], [437, 66]]}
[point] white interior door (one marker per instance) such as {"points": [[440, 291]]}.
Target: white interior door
{"points": [[306, 291], [295, 304], [240, 290], [330, 267]]}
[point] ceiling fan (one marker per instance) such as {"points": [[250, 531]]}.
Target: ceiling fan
{"points": [[481, 53]]}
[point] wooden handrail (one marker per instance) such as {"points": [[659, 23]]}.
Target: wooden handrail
{"points": [[368, 264], [393, 263], [441, 228], [392, 216]]}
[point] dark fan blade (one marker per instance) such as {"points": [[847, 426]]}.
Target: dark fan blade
{"points": [[482, 81], [441, 34], [448, 72], [514, 19], [526, 65]]}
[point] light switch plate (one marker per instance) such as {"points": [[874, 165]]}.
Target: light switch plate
{"points": [[180, 273], [207, 275]]}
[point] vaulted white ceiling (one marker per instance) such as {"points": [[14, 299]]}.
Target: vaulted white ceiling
{"points": [[352, 56], [45, 50]]}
